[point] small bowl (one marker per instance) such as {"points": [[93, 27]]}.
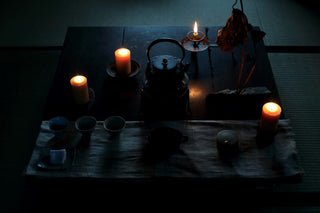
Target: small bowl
{"points": [[86, 124], [58, 125], [114, 124]]}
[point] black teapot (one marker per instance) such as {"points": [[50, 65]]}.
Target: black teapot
{"points": [[165, 93]]}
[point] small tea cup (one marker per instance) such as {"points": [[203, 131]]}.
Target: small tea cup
{"points": [[86, 124], [58, 125], [114, 125], [58, 156]]}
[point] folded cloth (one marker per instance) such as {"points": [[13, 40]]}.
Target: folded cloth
{"points": [[197, 158]]}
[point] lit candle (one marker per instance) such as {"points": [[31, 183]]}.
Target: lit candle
{"points": [[123, 61], [80, 89], [270, 116], [195, 29]]}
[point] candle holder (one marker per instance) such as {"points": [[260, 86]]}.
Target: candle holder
{"points": [[92, 97], [195, 42], [112, 70], [80, 108]]}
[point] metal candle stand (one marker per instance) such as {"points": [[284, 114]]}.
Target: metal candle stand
{"points": [[195, 43], [198, 42]]}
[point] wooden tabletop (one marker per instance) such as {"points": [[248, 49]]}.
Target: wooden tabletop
{"points": [[90, 50]]}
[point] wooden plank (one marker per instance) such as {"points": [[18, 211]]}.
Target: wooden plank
{"points": [[86, 51], [89, 51]]}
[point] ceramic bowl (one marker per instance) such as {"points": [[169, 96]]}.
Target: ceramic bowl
{"points": [[114, 125], [58, 125], [86, 124]]}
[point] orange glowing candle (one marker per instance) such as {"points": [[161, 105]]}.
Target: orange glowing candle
{"points": [[123, 61], [270, 117], [195, 29], [80, 89]]}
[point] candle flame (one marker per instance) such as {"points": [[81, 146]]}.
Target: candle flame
{"points": [[195, 28], [123, 51], [79, 79], [272, 107]]}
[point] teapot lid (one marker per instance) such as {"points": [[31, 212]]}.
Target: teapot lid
{"points": [[164, 62]]}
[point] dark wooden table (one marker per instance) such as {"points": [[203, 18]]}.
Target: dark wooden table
{"points": [[89, 50]]}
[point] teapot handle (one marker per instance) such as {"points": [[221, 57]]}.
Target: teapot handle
{"points": [[165, 40]]}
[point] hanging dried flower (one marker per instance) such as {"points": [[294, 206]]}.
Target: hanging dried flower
{"points": [[234, 33]]}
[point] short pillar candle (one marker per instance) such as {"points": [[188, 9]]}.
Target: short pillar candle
{"points": [[270, 117], [80, 89], [123, 61]]}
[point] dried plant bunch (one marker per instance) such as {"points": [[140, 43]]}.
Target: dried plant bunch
{"points": [[235, 31]]}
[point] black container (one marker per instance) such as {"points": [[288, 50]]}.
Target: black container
{"points": [[165, 95]]}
